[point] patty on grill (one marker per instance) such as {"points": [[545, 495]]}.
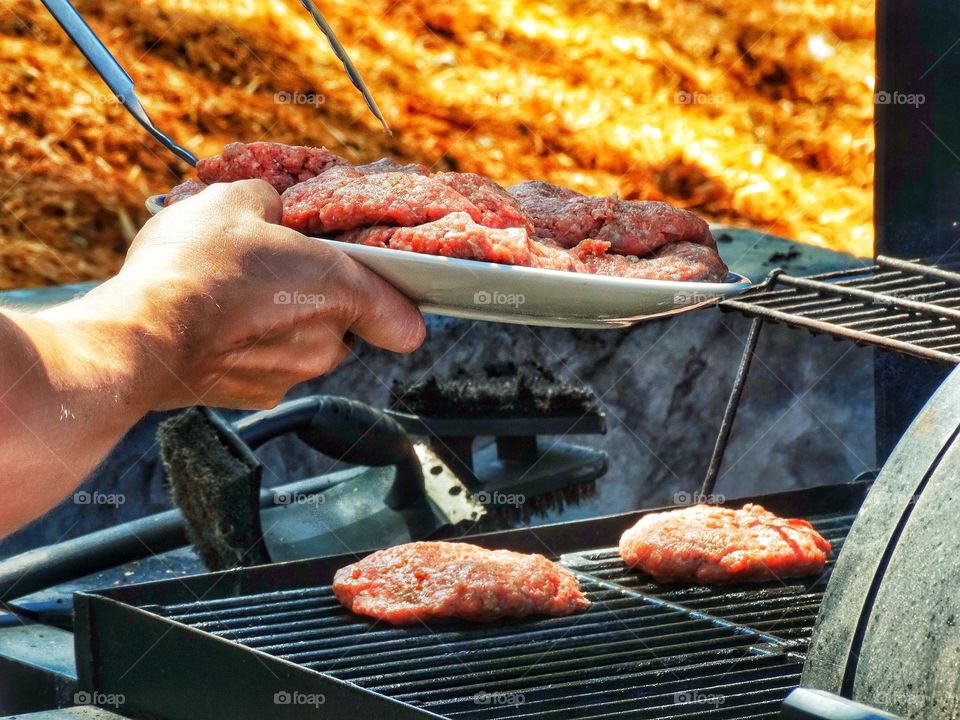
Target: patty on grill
{"points": [[709, 544], [424, 581], [280, 165]]}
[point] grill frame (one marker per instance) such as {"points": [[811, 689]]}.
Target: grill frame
{"points": [[166, 668], [904, 306]]}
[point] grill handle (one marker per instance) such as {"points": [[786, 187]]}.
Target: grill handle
{"points": [[807, 704]]}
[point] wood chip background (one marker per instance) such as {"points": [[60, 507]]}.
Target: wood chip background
{"points": [[756, 114]]}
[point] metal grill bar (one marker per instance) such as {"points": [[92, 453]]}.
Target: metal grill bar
{"points": [[898, 305]]}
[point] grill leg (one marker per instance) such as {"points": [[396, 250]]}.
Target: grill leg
{"points": [[733, 404]]}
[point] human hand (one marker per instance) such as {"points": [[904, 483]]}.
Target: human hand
{"points": [[231, 309]]}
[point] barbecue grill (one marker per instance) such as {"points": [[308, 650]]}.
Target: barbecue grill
{"points": [[274, 639], [876, 630]]}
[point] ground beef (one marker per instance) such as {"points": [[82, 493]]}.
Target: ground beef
{"points": [[455, 235], [560, 215], [345, 200], [183, 191], [463, 215], [681, 261], [632, 227], [709, 544], [384, 165], [498, 208], [280, 165], [424, 581]]}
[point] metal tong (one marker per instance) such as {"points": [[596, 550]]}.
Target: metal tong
{"points": [[122, 84]]}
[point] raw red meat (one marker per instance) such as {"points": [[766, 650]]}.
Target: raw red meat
{"points": [[423, 581], [344, 199], [632, 227], [390, 165], [561, 215], [455, 235], [682, 261], [280, 165], [462, 215], [709, 544], [498, 208], [183, 191]]}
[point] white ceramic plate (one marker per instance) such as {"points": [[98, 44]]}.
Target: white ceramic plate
{"points": [[528, 296]]}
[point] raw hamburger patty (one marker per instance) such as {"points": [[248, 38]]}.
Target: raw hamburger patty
{"points": [[710, 544], [343, 199], [280, 165], [498, 208], [432, 580], [456, 235], [632, 227], [463, 215]]}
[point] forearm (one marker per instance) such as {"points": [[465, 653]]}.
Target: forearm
{"points": [[73, 380]]}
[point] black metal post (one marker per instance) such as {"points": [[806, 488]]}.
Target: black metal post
{"points": [[917, 177]]}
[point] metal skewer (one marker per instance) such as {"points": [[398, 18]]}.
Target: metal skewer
{"points": [[348, 65], [120, 82], [111, 71]]}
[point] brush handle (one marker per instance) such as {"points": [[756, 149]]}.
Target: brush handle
{"points": [[346, 430]]}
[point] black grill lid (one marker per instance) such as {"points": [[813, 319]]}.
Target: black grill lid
{"points": [[889, 630]]}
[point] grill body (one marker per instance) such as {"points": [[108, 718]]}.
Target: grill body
{"points": [[273, 640]]}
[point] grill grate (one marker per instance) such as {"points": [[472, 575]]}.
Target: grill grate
{"points": [[895, 304], [640, 651]]}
